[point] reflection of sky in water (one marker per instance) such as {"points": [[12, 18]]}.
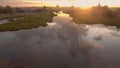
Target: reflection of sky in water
{"points": [[109, 39], [62, 44], [55, 43], [3, 21]]}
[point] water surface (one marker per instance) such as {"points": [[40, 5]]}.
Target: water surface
{"points": [[62, 44]]}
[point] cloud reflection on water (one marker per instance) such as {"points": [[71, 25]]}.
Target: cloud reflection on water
{"points": [[62, 44]]}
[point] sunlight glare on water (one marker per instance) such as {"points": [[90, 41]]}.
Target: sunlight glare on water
{"points": [[60, 13]]}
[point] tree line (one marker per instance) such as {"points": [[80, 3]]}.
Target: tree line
{"points": [[6, 9]]}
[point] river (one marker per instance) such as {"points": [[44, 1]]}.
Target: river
{"points": [[62, 44]]}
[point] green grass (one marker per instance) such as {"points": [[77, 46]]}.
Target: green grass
{"points": [[30, 21]]}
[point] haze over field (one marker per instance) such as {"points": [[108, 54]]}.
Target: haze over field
{"points": [[80, 3]]}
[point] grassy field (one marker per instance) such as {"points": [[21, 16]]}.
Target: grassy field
{"points": [[89, 19], [32, 20], [98, 20]]}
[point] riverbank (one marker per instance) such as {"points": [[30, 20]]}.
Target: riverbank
{"points": [[34, 20]]}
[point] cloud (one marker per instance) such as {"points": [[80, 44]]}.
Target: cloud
{"points": [[34, 2], [20, 3]]}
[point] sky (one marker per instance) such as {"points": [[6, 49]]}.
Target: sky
{"points": [[81, 3]]}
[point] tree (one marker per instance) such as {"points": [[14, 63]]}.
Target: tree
{"points": [[44, 8], [8, 9], [1, 9], [57, 6]]}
